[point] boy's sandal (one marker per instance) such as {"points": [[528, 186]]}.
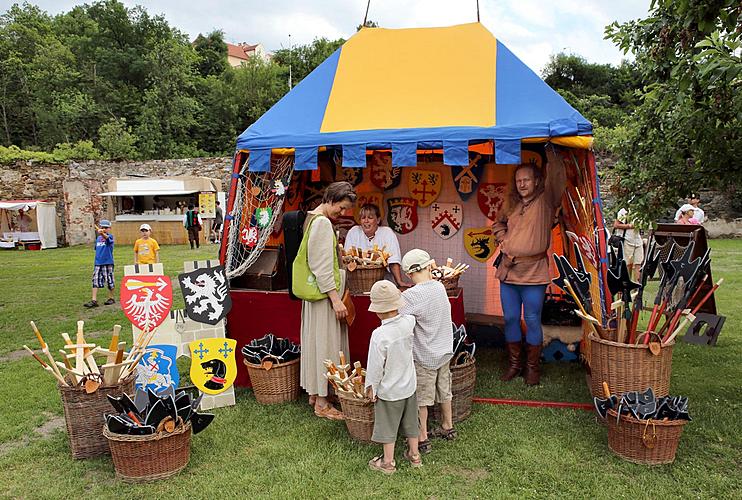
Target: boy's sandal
{"points": [[425, 446], [92, 303], [312, 400], [415, 460], [377, 463], [447, 434], [329, 412], [109, 302]]}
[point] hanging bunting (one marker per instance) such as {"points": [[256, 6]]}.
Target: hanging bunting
{"points": [[365, 198], [383, 175], [466, 179], [424, 186], [490, 197], [213, 365], [402, 214], [157, 369], [480, 242], [206, 294], [146, 299], [446, 218]]}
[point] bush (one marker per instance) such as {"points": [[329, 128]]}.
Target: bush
{"points": [[117, 140], [82, 150]]}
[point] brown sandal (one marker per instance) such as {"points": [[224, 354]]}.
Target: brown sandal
{"points": [[415, 460], [377, 463], [329, 412]]}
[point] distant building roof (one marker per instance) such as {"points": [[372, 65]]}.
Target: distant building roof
{"points": [[238, 51]]}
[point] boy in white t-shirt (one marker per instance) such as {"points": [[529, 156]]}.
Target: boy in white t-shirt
{"points": [[390, 378]]}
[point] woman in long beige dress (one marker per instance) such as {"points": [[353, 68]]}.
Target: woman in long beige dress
{"points": [[322, 332]]}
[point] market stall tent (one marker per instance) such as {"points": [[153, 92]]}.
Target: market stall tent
{"points": [[45, 222], [450, 92]]}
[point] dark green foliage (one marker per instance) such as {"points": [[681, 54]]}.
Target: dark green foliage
{"points": [[305, 58], [212, 53]]}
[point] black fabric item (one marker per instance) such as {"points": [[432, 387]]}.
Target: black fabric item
{"points": [[616, 240], [293, 231], [270, 347]]}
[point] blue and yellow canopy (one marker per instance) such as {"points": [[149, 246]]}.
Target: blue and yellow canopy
{"points": [[411, 89]]}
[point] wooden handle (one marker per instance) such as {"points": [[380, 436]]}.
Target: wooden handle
{"points": [[38, 335], [115, 338], [36, 356], [606, 390]]}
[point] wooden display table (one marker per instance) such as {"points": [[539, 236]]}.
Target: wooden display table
{"points": [[255, 313]]}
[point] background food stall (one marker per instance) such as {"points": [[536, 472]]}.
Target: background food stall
{"points": [[418, 131], [31, 224], [161, 203]]}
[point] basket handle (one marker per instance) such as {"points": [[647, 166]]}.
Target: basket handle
{"points": [[649, 441]]}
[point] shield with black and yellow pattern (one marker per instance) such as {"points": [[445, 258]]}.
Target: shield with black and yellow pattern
{"points": [[213, 364]]}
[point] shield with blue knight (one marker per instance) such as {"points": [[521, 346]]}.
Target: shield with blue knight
{"points": [[213, 364], [157, 369], [466, 179]]}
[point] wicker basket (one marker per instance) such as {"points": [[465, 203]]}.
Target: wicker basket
{"points": [[149, 458], [628, 367], [84, 413], [463, 380], [650, 442], [363, 278], [278, 384], [359, 417], [451, 283]]}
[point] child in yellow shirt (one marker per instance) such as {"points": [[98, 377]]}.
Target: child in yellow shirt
{"points": [[146, 249]]}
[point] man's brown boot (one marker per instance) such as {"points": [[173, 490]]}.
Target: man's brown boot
{"points": [[514, 359], [533, 364]]}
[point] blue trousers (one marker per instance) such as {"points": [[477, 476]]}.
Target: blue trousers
{"points": [[530, 299]]}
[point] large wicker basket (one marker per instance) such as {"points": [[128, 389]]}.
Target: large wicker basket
{"points": [[149, 458], [278, 384], [363, 278], [628, 367], [463, 381], [650, 442], [359, 417], [84, 413]]}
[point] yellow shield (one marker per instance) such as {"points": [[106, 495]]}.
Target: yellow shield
{"points": [[480, 243], [213, 365], [424, 186]]}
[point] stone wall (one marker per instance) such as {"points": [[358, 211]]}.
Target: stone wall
{"points": [[75, 186]]}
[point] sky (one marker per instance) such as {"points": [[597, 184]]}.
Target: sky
{"points": [[532, 29]]}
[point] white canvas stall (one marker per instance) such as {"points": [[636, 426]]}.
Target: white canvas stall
{"points": [[44, 217]]}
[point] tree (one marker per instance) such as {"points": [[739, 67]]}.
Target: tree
{"points": [[305, 58], [212, 53], [686, 133], [116, 140]]}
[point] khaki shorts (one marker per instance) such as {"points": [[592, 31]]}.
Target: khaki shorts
{"points": [[391, 417], [433, 386], [633, 254]]}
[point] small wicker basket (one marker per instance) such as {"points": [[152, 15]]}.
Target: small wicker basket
{"points": [[628, 367], [277, 384], [463, 381], [149, 458], [359, 417], [649, 442], [363, 278], [84, 413]]}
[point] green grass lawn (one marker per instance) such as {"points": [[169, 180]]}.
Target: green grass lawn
{"points": [[284, 451]]}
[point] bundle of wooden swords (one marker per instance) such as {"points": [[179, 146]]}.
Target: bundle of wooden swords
{"points": [[79, 364], [354, 257], [349, 383]]}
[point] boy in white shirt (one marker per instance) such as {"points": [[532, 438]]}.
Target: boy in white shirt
{"points": [[390, 378], [432, 346]]}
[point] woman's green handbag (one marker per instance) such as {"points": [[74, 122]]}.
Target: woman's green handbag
{"points": [[303, 282]]}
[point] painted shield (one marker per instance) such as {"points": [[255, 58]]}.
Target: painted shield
{"points": [[402, 214], [213, 365], [466, 179], [587, 248], [531, 157], [383, 175], [352, 175], [206, 294], [146, 299], [490, 197], [263, 216], [157, 369], [446, 218], [342, 225], [480, 242], [373, 197], [249, 236], [424, 186]]}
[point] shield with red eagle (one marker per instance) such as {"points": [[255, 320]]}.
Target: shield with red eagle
{"points": [[402, 214], [446, 218], [146, 299], [490, 197]]}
